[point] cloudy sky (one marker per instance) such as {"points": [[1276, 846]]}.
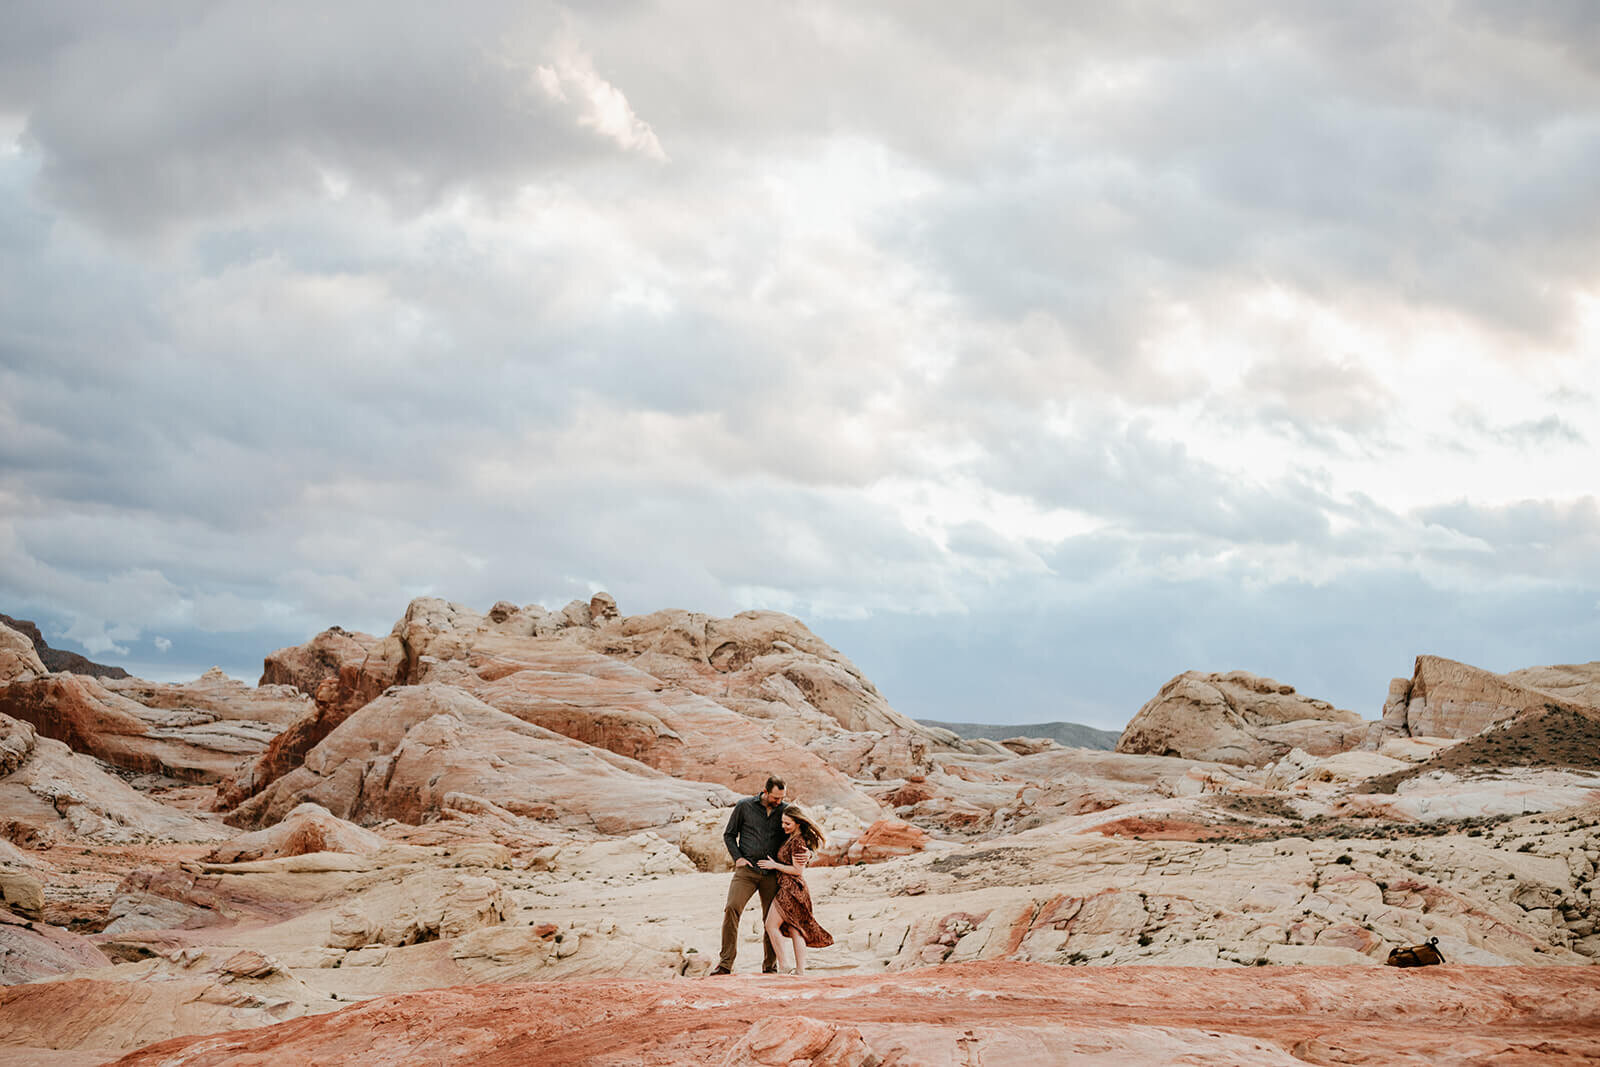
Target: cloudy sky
{"points": [[1031, 353]]}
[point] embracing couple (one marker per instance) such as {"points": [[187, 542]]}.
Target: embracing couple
{"points": [[771, 843]]}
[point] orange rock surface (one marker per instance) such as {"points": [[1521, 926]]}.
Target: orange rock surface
{"points": [[964, 1013]]}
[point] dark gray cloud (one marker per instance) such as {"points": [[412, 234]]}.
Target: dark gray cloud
{"points": [[163, 115]]}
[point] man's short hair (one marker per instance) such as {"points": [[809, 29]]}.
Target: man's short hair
{"points": [[773, 782]]}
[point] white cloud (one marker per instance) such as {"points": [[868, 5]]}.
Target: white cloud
{"points": [[933, 316], [98, 638], [602, 107]]}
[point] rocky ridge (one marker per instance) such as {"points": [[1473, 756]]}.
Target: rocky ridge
{"points": [[529, 796], [1067, 734]]}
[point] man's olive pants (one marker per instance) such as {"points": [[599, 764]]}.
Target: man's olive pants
{"points": [[747, 881]]}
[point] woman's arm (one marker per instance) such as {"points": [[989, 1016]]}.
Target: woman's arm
{"points": [[801, 858]]}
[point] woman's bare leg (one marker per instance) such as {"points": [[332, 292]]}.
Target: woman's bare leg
{"points": [[799, 952], [775, 932]]}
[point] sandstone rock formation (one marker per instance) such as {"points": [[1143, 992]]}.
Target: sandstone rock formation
{"points": [[886, 839], [21, 894], [18, 740], [419, 909], [177, 734], [217, 697], [974, 1013], [341, 672], [99, 1019], [762, 664], [307, 828], [31, 950], [1298, 768], [406, 754], [51, 794], [305, 667], [1574, 683], [580, 673], [1449, 699], [1237, 718], [1547, 747], [599, 702], [18, 660], [526, 795]]}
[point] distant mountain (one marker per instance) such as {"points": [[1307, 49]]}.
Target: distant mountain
{"points": [[1071, 734], [55, 658]]}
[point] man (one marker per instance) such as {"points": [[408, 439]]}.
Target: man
{"points": [[754, 832]]}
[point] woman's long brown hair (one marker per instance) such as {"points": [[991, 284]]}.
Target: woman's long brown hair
{"points": [[810, 832]]}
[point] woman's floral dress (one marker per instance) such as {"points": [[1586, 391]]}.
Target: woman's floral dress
{"points": [[795, 899]]}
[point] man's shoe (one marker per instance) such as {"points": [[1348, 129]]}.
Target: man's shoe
{"points": [[720, 970], [769, 970]]}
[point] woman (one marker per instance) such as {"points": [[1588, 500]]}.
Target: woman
{"points": [[790, 915]]}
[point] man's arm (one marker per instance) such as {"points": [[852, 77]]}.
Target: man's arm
{"points": [[730, 834]]}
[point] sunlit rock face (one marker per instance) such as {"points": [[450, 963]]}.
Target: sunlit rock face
{"points": [[405, 754], [594, 700], [764, 666], [1237, 718], [1448, 699], [726, 701], [18, 660], [767, 662], [1577, 683]]}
